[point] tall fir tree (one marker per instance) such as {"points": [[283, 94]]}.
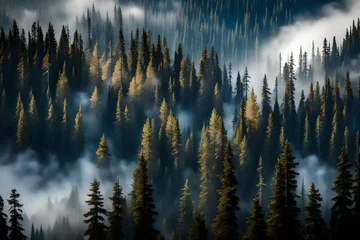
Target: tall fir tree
{"points": [[4, 229], [116, 215], [198, 230], [15, 217], [143, 206], [94, 218], [315, 227], [186, 211], [225, 223], [341, 211]]}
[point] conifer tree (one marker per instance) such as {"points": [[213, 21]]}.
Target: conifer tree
{"points": [[246, 83], [356, 189], [4, 229], [15, 217], [225, 223], [95, 100], [143, 207], [103, 154], [21, 135], [204, 169], [62, 87], [186, 211], [78, 137], [96, 229], [116, 215], [256, 229], [32, 234], [148, 148], [198, 230], [217, 100], [265, 103], [341, 212], [315, 226], [256, 224], [282, 220]]}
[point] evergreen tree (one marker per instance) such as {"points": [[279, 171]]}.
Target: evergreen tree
{"points": [[265, 103], [198, 229], [95, 100], [16, 230], [103, 154], [282, 220], [96, 229], [225, 222], [116, 215], [356, 189], [21, 134], [315, 226], [341, 212], [256, 224], [186, 211], [148, 148], [4, 229], [246, 83], [78, 137], [143, 207], [204, 169]]}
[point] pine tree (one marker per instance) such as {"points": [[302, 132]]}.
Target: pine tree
{"points": [[148, 148], [143, 207], [4, 229], [21, 135], [315, 226], [198, 229], [186, 211], [116, 215], [246, 83], [225, 223], [96, 229], [256, 224], [282, 220], [265, 103], [95, 100], [356, 189], [103, 154], [32, 234], [62, 87], [341, 212], [204, 169], [78, 137], [16, 230]]}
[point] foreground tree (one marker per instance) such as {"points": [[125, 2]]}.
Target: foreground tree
{"points": [[315, 226], [16, 230], [143, 207], [186, 210], [341, 212], [256, 224], [224, 225], [96, 229], [198, 229], [3, 221], [282, 220], [116, 215]]}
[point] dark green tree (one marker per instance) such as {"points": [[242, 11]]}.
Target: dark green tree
{"points": [[198, 230], [4, 229], [143, 206], [315, 226], [16, 229], [225, 222], [96, 229], [116, 215]]}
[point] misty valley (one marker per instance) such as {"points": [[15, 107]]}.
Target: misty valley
{"points": [[179, 119]]}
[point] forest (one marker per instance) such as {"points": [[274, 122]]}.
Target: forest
{"points": [[169, 120]]}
